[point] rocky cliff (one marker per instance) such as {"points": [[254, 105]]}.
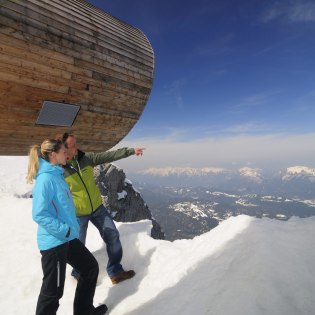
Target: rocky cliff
{"points": [[121, 199]]}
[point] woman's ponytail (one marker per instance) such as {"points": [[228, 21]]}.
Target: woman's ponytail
{"points": [[33, 163]]}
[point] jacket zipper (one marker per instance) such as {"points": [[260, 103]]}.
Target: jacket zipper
{"points": [[84, 187], [58, 274]]}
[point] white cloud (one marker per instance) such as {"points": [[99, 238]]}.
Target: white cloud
{"points": [[248, 127], [302, 12], [254, 100], [292, 11], [265, 151]]}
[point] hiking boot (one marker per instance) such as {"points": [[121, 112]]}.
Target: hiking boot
{"points": [[99, 310], [123, 275]]}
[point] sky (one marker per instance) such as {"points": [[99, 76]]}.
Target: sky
{"points": [[243, 266], [227, 73]]}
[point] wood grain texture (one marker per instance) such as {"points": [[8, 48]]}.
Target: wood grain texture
{"points": [[70, 52]]}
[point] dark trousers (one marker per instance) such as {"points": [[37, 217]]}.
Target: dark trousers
{"points": [[54, 269]]}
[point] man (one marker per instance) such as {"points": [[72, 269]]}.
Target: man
{"points": [[87, 198]]}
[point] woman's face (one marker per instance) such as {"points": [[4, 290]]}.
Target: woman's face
{"points": [[60, 157]]}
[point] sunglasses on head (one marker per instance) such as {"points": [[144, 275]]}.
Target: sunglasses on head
{"points": [[65, 136], [57, 145]]}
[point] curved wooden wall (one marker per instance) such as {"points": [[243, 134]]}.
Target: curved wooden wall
{"points": [[69, 51]]}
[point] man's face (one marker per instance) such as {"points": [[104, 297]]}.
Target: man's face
{"points": [[72, 147]]}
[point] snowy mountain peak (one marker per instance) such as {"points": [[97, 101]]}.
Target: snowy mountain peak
{"points": [[188, 171], [295, 170], [251, 173], [299, 172]]}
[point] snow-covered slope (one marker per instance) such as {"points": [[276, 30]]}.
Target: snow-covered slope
{"points": [[244, 266]]}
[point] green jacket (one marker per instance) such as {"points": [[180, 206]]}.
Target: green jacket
{"points": [[79, 176]]}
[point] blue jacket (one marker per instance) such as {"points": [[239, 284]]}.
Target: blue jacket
{"points": [[53, 207]]}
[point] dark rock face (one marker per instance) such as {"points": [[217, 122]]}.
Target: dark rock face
{"points": [[121, 199]]}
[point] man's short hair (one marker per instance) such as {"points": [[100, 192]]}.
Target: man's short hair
{"points": [[63, 137]]}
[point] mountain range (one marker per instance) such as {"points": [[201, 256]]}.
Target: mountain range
{"points": [[189, 201], [295, 181]]}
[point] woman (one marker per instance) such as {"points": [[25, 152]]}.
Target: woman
{"points": [[58, 231]]}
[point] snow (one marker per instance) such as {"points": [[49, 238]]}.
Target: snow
{"points": [[189, 171], [300, 170], [310, 203], [244, 203], [121, 195], [251, 173], [127, 181], [191, 209], [218, 193], [245, 265]]}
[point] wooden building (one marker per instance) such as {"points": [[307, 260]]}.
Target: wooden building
{"points": [[66, 66]]}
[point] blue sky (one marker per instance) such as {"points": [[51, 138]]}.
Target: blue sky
{"points": [[227, 70]]}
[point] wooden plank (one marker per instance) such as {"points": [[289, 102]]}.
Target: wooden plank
{"points": [[18, 116], [138, 94], [33, 66], [68, 23], [132, 91], [103, 115], [29, 130], [13, 37], [21, 49], [90, 118], [120, 99], [31, 97], [95, 17], [100, 104], [99, 15], [6, 76], [21, 128], [19, 62], [124, 69], [111, 101], [104, 77], [116, 76], [40, 77], [25, 50], [71, 41], [15, 142], [73, 50], [15, 104], [26, 131]]}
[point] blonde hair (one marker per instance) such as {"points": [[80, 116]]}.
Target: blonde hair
{"points": [[40, 151]]}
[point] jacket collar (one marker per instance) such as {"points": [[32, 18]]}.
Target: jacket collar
{"points": [[80, 155], [77, 158], [47, 167]]}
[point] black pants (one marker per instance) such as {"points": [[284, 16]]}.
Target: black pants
{"points": [[54, 268]]}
